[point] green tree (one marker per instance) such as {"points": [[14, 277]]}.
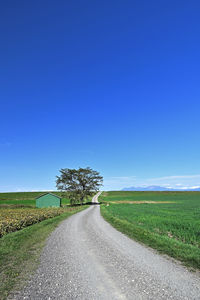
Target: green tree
{"points": [[79, 183]]}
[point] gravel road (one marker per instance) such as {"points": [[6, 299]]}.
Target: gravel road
{"points": [[95, 198], [86, 258]]}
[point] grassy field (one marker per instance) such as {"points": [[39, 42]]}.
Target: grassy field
{"points": [[166, 221], [25, 198], [20, 251], [149, 196]]}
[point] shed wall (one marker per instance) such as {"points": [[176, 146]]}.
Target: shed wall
{"points": [[48, 201]]}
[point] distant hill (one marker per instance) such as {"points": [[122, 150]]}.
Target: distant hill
{"points": [[157, 188]]}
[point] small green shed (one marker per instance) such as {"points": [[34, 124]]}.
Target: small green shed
{"points": [[48, 200]]}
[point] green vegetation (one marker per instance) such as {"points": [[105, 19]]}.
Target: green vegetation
{"points": [[172, 225], [150, 196], [19, 251], [80, 184], [25, 198]]}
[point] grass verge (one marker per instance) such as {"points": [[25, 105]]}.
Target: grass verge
{"points": [[20, 251], [187, 254]]}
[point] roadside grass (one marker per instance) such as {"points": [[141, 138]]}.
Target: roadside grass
{"points": [[20, 251], [171, 228]]}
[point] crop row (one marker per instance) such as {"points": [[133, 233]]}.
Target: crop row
{"points": [[16, 219]]}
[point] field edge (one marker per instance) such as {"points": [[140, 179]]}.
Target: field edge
{"points": [[187, 254]]}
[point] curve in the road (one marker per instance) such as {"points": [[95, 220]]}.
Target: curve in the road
{"points": [[95, 198], [86, 258]]}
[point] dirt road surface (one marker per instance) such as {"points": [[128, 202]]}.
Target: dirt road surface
{"points": [[95, 198]]}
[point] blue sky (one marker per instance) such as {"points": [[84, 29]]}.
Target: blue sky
{"points": [[113, 85]]}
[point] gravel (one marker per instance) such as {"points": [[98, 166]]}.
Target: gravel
{"points": [[86, 258], [95, 198]]}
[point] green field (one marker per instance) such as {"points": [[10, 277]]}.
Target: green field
{"points": [[25, 198], [167, 221], [150, 196]]}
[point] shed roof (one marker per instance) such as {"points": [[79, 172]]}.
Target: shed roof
{"points": [[48, 194]]}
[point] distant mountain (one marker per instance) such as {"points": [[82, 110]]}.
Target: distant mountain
{"points": [[158, 188]]}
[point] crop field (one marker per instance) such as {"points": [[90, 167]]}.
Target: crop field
{"points": [[166, 221], [24, 198], [15, 219]]}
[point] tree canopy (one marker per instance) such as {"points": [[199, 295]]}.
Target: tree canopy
{"points": [[79, 183]]}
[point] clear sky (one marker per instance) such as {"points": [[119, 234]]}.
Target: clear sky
{"points": [[114, 85]]}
